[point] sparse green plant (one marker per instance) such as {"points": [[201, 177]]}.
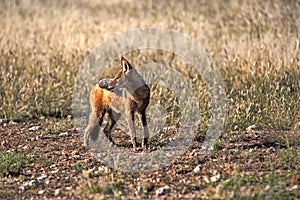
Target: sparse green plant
{"points": [[78, 166], [142, 192], [36, 157], [95, 188], [240, 186], [216, 146], [233, 138], [290, 156], [11, 163], [112, 188], [49, 160], [116, 188], [58, 126]]}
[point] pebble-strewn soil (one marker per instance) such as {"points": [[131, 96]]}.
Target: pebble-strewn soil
{"points": [[57, 166]]}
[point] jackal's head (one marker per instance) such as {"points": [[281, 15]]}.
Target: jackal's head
{"points": [[127, 78], [123, 74]]}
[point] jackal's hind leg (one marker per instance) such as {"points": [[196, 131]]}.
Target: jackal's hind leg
{"points": [[92, 127], [112, 120], [92, 130]]}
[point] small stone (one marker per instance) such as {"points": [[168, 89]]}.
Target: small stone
{"points": [[267, 187], [271, 149], [195, 152], [22, 187], [3, 121], [252, 128], [35, 128], [52, 166], [25, 147], [112, 145], [41, 192], [65, 134], [34, 183], [42, 117], [197, 169], [295, 187], [215, 178], [57, 192], [101, 168], [12, 123], [205, 179], [163, 190], [43, 176], [54, 171]]}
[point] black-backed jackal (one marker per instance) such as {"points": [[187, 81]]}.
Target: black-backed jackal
{"points": [[127, 93]]}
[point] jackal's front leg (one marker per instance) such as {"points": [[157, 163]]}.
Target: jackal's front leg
{"points": [[142, 117], [130, 121]]}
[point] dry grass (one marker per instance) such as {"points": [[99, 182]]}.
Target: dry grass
{"points": [[255, 45]]}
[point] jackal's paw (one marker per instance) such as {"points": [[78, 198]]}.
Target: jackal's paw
{"points": [[133, 141], [85, 144], [148, 150], [145, 143], [135, 150], [145, 148]]}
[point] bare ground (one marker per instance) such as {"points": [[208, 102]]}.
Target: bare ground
{"points": [[245, 164]]}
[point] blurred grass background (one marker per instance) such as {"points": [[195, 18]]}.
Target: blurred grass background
{"points": [[255, 44]]}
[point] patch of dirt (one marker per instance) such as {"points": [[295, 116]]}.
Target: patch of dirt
{"points": [[58, 166]]}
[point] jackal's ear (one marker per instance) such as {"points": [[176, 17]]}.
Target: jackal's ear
{"points": [[125, 65]]}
